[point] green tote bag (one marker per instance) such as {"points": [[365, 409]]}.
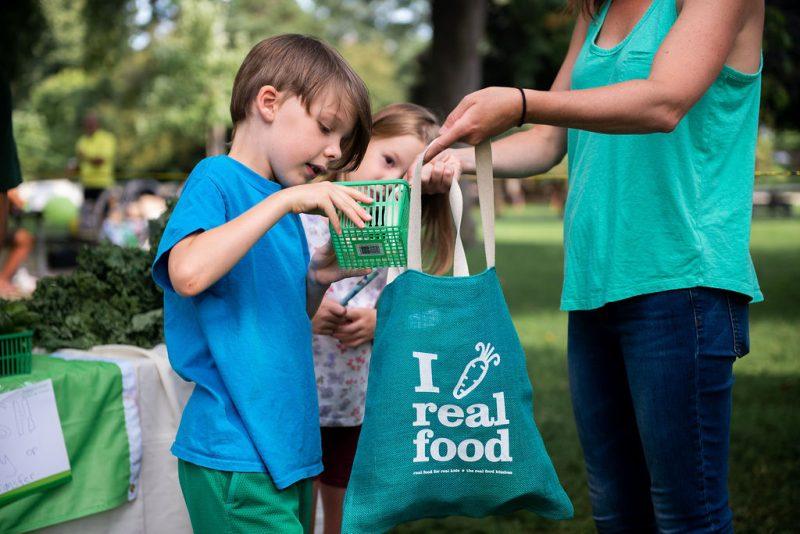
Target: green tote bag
{"points": [[448, 426]]}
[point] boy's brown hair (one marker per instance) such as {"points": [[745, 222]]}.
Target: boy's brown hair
{"points": [[305, 67]]}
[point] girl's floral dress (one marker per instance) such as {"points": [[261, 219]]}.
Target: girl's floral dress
{"points": [[341, 371]]}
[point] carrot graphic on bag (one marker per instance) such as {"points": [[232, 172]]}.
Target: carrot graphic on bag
{"points": [[476, 370]]}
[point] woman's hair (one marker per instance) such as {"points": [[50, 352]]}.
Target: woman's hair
{"points": [[307, 68], [438, 230], [587, 7]]}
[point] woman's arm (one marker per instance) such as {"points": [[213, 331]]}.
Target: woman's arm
{"points": [[542, 147], [685, 65], [522, 154]]}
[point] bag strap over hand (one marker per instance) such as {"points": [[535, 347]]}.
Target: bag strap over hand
{"points": [[483, 165]]}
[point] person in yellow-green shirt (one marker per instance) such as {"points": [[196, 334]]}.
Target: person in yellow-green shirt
{"points": [[96, 149]]}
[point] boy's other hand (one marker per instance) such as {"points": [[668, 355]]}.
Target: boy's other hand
{"points": [[324, 268], [324, 198], [328, 317], [358, 328]]}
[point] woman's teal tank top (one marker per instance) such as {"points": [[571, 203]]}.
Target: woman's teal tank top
{"points": [[661, 211]]}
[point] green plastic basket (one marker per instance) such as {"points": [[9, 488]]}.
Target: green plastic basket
{"points": [[382, 242], [15, 353]]}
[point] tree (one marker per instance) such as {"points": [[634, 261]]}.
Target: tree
{"points": [[452, 65], [526, 42], [452, 69], [164, 85], [781, 73]]}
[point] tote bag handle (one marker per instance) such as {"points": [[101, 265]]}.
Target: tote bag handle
{"points": [[483, 165]]}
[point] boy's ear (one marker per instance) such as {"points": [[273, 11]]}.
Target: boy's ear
{"points": [[267, 102]]}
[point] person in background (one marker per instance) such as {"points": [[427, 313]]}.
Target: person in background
{"points": [[21, 243], [515, 194], [96, 149]]}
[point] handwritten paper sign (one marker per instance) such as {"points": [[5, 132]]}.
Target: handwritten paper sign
{"points": [[32, 451]]}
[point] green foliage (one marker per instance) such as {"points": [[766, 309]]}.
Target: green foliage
{"points": [[109, 298], [48, 127], [374, 62], [765, 148], [33, 142], [15, 317], [161, 83], [22, 30], [526, 42], [107, 31], [781, 73]]}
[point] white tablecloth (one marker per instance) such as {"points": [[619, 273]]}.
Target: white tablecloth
{"points": [[159, 507]]}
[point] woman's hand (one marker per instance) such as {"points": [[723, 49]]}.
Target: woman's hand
{"points": [[479, 116], [358, 328], [329, 316], [439, 173]]}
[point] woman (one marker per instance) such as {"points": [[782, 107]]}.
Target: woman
{"points": [[656, 105]]}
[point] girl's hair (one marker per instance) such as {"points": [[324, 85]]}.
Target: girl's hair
{"points": [[438, 230]]}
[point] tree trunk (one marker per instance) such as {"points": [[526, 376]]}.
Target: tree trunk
{"points": [[452, 69]]}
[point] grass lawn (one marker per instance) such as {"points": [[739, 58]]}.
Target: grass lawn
{"points": [[765, 437]]}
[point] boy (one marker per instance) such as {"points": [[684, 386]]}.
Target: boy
{"points": [[239, 288]]}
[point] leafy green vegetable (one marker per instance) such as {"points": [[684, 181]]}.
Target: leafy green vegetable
{"points": [[109, 298], [15, 317]]}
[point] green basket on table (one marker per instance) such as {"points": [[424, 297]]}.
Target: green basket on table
{"points": [[15, 353], [382, 242]]}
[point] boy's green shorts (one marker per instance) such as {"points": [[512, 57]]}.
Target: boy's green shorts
{"points": [[222, 502]]}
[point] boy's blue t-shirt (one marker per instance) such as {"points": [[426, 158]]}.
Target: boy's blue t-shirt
{"points": [[245, 341]]}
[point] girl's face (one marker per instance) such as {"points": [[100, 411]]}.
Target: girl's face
{"points": [[387, 158]]}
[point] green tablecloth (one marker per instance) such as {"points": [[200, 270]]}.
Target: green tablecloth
{"points": [[89, 396]]}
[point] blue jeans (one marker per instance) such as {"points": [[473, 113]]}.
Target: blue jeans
{"points": [[651, 380]]}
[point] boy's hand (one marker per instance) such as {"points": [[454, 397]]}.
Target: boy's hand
{"points": [[359, 327], [324, 268], [329, 316], [323, 198]]}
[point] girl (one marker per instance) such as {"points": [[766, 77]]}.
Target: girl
{"points": [[342, 340]]}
